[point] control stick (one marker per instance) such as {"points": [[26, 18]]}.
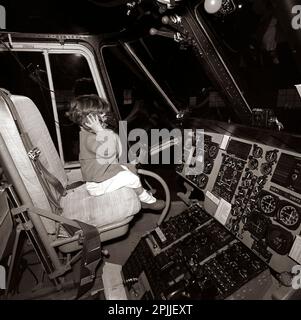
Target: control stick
{"points": [[154, 32]]}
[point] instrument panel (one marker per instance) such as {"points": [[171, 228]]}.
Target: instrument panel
{"points": [[254, 190], [190, 256]]}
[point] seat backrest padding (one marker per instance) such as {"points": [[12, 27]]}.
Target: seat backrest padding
{"points": [[36, 129]]}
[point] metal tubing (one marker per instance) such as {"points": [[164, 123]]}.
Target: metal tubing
{"points": [[149, 75], [14, 177]]}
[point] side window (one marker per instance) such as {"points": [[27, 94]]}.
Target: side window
{"points": [[71, 77], [24, 73]]}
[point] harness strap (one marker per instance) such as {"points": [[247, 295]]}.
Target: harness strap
{"points": [[91, 256]]}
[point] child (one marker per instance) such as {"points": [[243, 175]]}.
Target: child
{"points": [[100, 149]]}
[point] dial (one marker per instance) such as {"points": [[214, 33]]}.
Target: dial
{"points": [[268, 204], [271, 156], [257, 225], [208, 165], [266, 168], [202, 181], [279, 239], [257, 151], [289, 216], [213, 150], [253, 164]]}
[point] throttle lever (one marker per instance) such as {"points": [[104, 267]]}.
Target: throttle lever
{"points": [[176, 36], [167, 34]]}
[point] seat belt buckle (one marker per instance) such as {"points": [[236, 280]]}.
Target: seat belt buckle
{"points": [[34, 153]]}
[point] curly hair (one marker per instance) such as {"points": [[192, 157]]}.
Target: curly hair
{"points": [[84, 105]]}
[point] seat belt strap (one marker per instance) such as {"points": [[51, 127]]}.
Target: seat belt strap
{"points": [[34, 154], [91, 257]]}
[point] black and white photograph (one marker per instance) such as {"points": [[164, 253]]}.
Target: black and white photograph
{"points": [[150, 153]]}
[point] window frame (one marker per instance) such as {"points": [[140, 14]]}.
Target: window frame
{"points": [[47, 49]]}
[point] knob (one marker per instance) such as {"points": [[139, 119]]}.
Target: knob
{"points": [[235, 212], [241, 193], [261, 180], [105, 253], [244, 219], [235, 227], [249, 175], [243, 273], [294, 176]]}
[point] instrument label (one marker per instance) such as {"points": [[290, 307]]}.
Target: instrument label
{"points": [[223, 211], [286, 195], [160, 234], [295, 252], [212, 197], [224, 143]]}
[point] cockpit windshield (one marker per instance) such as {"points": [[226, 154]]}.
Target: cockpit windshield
{"points": [[253, 40]]}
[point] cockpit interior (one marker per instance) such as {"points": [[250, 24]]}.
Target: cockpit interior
{"points": [[207, 94]]}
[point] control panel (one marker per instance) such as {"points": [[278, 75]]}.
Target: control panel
{"points": [[190, 256], [254, 190]]}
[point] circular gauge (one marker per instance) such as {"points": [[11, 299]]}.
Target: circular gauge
{"points": [[202, 181], [268, 204], [289, 216], [266, 168], [257, 151], [271, 156], [257, 225], [253, 164], [208, 165], [213, 150], [279, 239]]}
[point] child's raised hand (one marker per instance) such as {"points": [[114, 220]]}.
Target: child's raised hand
{"points": [[94, 123]]}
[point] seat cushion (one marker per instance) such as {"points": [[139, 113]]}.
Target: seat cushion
{"points": [[102, 210]]}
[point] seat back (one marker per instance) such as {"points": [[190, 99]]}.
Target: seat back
{"points": [[38, 133]]}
